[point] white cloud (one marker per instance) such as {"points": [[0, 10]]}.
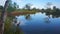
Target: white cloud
{"points": [[2, 2], [33, 6]]}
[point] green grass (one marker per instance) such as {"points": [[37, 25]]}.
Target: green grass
{"points": [[8, 29]]}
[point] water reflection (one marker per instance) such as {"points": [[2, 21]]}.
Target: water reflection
{"points": [[54, 14], [28, 17], [15, 28], [47, 19], [38, 23], [22, 23], [15, 22]]}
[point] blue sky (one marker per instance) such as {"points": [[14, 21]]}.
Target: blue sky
{"points": [[35, 3]]}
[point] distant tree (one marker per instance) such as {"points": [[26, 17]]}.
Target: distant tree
{"points": [[15, 5], [42, 9], [34, 8], [28, 6], [54, 7]]}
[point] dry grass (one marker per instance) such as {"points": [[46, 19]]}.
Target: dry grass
{"points": [[22, 13]]}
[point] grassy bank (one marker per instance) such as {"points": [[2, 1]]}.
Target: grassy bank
{"points": [[8, 23], [9, 28], [15, 13]]}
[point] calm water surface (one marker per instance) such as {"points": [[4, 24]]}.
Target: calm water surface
{"points": [[39, 24]]}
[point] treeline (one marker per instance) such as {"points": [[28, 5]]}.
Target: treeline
{"points": [[14, 7], [27, 8]]}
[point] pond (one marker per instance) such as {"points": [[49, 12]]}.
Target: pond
{"points": [[39, 23]]}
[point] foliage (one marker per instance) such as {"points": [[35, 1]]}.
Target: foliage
{"points": [[12, 7], [10, 28], [7, 26]]}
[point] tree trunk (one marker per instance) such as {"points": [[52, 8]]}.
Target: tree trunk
{"points": [[3, 17]]}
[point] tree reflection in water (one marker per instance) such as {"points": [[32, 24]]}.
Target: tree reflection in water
{"points": [[15, 22], [15, 26], [28, 17], [46, 19], [54, 15]]}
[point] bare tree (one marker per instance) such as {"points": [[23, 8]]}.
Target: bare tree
{"points": [[3, 17]]}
